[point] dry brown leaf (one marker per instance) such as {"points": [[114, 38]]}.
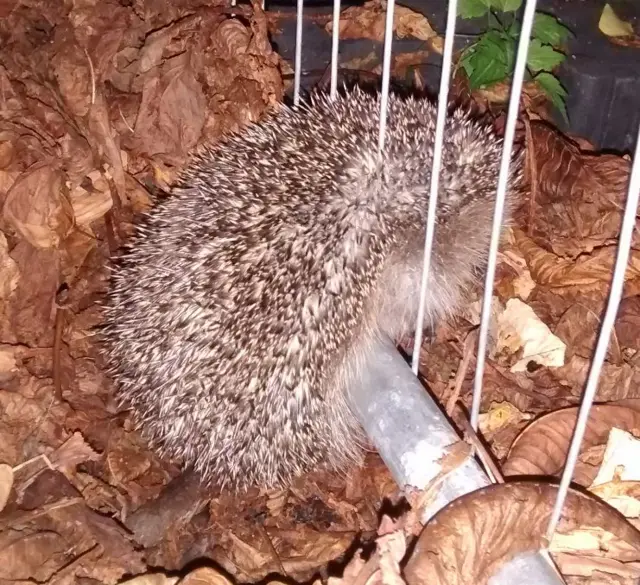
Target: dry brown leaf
{"points": [[571, 564], [405, 61], [549, 270], [78, 159], [70, 67], [627, 327], [30, 307], [105, 143], [7, 6], [467, 541], [126, 463], [6, 483], [205, 576], [231, 38], [34, 556], [616, 382], [37, 208], [88, 207], [368, 22], [579, 328], [8, 362], [541, 448], [580, 196], [624, 496], [72, 452], [9, 272], [172, 112], [316, 549], [153, 579]]}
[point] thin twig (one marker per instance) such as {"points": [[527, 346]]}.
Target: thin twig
{"points": [[491, 468], [533, 172], [463, 367], [93, 78], [274, 552]]}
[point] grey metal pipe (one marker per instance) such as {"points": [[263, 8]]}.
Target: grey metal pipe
{"points": [[412, 434]]}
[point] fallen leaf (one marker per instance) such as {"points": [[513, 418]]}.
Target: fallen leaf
{"points": [[523, 335], [368, 22], [37, 208], [9, 272], [621, 459], [541, 448], [30, 307], [624, 496], [471, 538], [34, 556], [498, 416], [6, 483], [153, 579], [611, 25], [72, 452], [205, 576], [579, 328], [172, 112]]}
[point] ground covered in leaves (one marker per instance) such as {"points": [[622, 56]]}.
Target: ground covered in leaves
{"points": [[102, 100]]}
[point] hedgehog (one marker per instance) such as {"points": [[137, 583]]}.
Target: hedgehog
{"points": [[246, 301]]}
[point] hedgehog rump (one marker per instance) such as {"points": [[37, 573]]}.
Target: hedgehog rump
{"points": [[247, 301]]}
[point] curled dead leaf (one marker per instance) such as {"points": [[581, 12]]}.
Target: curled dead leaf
{"points": [[541, 448], [6, 483], [205, 576], [471, 538], [37, 208], [580, 195], [368, 22], [74, 77], [105, 142], [172, 112], [579, 327], [9, 273], [151, 579], [89, 207], [36, 556], [231, 38], [549, 270], [628, 323], [72, 452], [8, 362], [7, 151]]}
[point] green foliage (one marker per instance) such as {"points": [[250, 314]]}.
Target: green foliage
{"points": [[554, 90], [472, 8], [548, 30], [491, 58]]}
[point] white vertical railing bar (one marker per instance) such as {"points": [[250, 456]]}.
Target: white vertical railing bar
{"points": [[386, 72], [443, 97], [507, 149], [615, 295], [298, 55], [335, 37]]}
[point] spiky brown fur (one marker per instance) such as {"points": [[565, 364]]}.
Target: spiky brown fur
{"points": [[238, 318]]}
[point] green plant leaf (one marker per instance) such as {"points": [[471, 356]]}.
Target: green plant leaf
{"points": [[543, 57], [553, 89], [506, 5], [489, 60], [473, 8], [548, 30]]}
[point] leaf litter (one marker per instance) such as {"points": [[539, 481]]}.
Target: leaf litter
{"points": [[103, 100]]}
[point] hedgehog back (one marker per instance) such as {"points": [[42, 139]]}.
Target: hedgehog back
{"points": [[247, 299]]}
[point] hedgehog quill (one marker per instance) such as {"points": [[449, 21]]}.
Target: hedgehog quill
{"points": [[239, 315]]}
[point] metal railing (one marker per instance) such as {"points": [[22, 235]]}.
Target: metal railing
{"points": [[402, 420]]}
